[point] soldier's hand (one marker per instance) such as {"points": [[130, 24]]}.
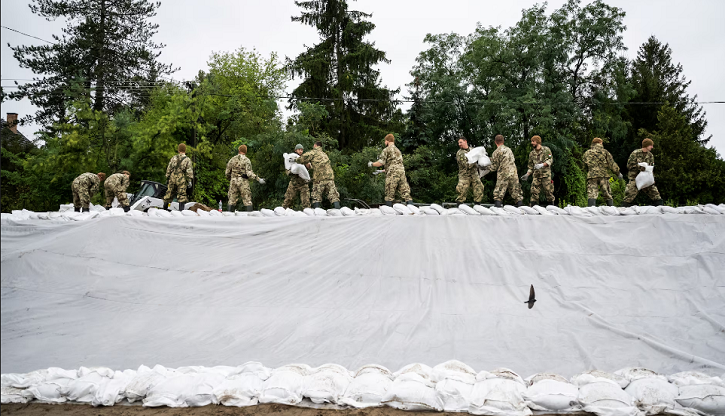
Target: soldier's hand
{"points": [[538, 166], [261, 181], [525, 177], [620, 175], [370, 164], [188, 184]]}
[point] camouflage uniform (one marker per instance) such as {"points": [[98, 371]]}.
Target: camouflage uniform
{"points": [[599, 163], [178, 173], [84, 187], [633, 170], [468, 177], [323, 178], [239, 172], [542, 177], [395, 180], [115, 186], [503, 161], [296, 184]]}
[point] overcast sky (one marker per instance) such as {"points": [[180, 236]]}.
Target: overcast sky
{"points": [[192, 29]]}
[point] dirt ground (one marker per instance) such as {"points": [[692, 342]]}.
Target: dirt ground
{"points": [[34, 409]]}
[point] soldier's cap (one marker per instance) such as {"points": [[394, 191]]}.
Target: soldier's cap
{"points": [[299, 147]]}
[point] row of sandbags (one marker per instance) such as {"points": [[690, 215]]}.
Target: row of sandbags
{"points": [[450, 386], [396, 209]]}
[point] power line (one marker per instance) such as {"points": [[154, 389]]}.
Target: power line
{"points": [[30, 36]]}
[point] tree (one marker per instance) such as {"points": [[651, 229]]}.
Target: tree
{"points": [[106, 52], [339, 73]]}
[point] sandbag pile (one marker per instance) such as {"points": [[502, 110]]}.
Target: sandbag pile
{"points": [[450, 386]]}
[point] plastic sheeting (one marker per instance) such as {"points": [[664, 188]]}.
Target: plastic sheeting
{"points": [[613, 292]]}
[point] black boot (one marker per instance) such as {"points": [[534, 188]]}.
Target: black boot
{"points": [[85, 209], [409, 202], [657, 203], [626, 204], [497, 204], [181, 206], [591, 202], [389, 203], [519, 203], [249, 208], [126, 208], [336, 204], [166, 206], [315, 205], [610, 202], [77, 209]]}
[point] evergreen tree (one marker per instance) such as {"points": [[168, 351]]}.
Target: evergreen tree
{"points": [[105, 52], [339, 73]]}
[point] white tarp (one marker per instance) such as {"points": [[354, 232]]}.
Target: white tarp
{"points": [[124, 291]]}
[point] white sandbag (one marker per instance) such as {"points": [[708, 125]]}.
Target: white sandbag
{"points": [[289, 160], [14, 395], [176, 214], [267, 212], [719, 208], [576, 211], [83, 389], [692, 378], [23, 381], [468, 210], [135, 213], [117, 211], [185, 390], [543, 211], [551, 392], [309, 212], [111, 390], [368, 387], [649, 210], [429, 211], [244, 388], [627, 211], [301, 171], [595, 376], [690, 210], [528, 210], [483, 210], [375, 212], [386, 210], [319, 212], [707, 398], [215, 213], [21, 214], [593, 210], [669, 210], [454, 384], [145, 378], [411, 391], [402, 209], [556, 210], [98, 208], [484, 161], [51, 389], [43, 216], [709, 210], [440, 209], [500, 212], [513, 210], [189, 213], [455, 211], [475, 154], [500, 392], [162, 213], [653, 395], [326, 384], [284, 386], [280, 212], [609, 211], [605, 397], [645, 178], [347, 212], [414, 209], [65, 207], [334, 212]]}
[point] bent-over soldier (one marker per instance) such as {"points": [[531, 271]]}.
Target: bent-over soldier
{"points": [[84, 187], [115, 187]]}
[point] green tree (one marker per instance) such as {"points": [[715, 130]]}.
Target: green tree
{"points": [[339, 73]]}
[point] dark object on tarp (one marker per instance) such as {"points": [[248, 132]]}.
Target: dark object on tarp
{"points": [[150, 188]]}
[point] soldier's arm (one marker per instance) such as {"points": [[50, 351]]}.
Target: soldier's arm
{"points": [[305, 158], [495, 161], [168, 168], [247, 167], [530, 165], [612, 164], [228, 171], [549, 158], [189, 170], [632, 162]]}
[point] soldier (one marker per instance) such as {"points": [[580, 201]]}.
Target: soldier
{"points": [[502, 161], [599, 163], [643, 156], [323, 178], [84, 187], [540, 161], [239, 172], [297, 184], [178, 178], [392, 161], [467, 174], [115, 186]]}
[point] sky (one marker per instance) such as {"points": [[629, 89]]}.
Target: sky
{"points": [[192, 30]]}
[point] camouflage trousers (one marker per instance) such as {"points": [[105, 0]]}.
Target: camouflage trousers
{"points": [[510, 184], [465, 183], [293, 188], [81, 196], [593, 185], [396, 181], [239, 187], [539, 183], [117, 192], [328, 187], [631, 191], [176, 187]]}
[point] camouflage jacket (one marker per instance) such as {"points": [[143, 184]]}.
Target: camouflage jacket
{"points": [[180, 166], [117, 181], [392, 159], [636, 157], [240, 165], [322, 171], [464, 168], [599, 162], [88, 180], [503, 161], [542, 155]]}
